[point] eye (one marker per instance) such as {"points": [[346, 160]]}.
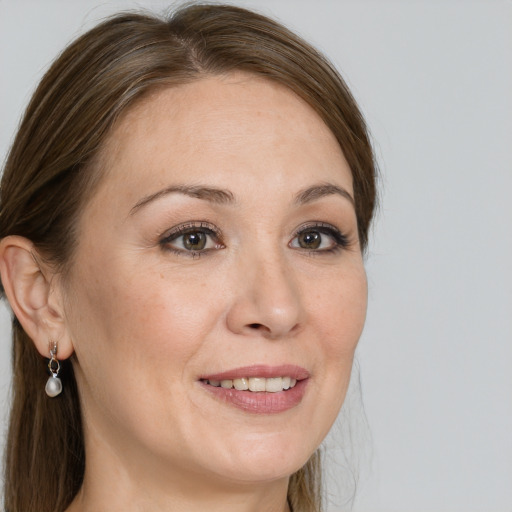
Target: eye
{"points": [[193, 241], [319, 237], [192, 238]]}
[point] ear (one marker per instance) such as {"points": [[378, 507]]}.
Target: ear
{"points": [[33, 291]]}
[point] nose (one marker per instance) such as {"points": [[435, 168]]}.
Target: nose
{"points": [[267, 300]]}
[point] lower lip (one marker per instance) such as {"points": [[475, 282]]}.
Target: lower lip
{"points": [[260, 402]]}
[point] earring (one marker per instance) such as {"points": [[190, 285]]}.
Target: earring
{"points": [[53, 385]]}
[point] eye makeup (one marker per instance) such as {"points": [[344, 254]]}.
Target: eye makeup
{"points": [[197, 238], [319, 237], [193, 239]]}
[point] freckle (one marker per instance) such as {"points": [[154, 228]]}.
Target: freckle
{"points": [[161, 276]]}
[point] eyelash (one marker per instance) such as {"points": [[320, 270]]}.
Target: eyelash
{"points": [[191, 228], [340, 240]]}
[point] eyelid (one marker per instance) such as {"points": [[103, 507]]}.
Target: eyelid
{"points": [[340, 239], [318, 225], [189, 227]]}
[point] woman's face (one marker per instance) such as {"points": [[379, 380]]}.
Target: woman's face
{"points": [[221, 245]]}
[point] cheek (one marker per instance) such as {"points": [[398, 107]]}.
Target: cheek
{"points": [[136, 320], [340, 312], [135, 336]]}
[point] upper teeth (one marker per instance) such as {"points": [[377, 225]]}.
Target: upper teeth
{"points": [[271, 385]]}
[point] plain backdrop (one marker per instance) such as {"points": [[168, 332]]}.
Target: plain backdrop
{"points": [[434, 79]]}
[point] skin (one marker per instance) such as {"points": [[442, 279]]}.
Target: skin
{"points": [[146, 319]]}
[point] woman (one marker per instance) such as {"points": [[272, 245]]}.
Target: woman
{"points": [[183, 216]]}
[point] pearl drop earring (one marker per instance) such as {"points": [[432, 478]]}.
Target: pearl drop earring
{"points": [[53, 385]]}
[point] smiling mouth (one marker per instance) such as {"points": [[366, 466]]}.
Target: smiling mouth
{"points": [[259, 389], [255, 384]]}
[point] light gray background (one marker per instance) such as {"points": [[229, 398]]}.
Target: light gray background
{"points": [[434, 79]]}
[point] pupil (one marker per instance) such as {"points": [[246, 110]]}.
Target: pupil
{"points": [[194, 241], [310, 240]]}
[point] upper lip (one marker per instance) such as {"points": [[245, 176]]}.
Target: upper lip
{"points": [[260, 370]]}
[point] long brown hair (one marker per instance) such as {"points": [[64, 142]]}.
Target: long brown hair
{"points": [[51, 171]]}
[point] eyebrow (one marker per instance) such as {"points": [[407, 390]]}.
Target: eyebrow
{"points": [[222, 196], [211, 194], [316, 192]]}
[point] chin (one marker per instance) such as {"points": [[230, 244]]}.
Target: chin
{"points": [[259, 474], [265, 460]]}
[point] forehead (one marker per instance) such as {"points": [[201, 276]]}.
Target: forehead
{"points": [[224, 128]]}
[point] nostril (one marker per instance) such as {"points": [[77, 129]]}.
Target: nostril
{"points": [[258, 327]]}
